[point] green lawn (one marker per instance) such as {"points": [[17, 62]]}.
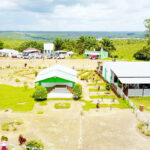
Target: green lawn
{"points": [[94, 84], [125, 49], [62, 105], [142, 101], [96, 90], [122, 105], [16, 98], [102, 96]]}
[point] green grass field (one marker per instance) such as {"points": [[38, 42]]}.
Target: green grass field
{"points": [[16, 98], [125, 49], [142, 101], [122, 105]]}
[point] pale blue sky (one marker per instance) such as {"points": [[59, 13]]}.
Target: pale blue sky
{"points": [[74, 15]]}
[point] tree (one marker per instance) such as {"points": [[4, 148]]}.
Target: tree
{"points": [[147, 26], [32, 44], [143, 54], [1, 45], [107, 45], [77, 91], [40, 93], [58, 43]]}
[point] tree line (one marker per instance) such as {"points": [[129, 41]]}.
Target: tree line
{"points": [[78, 46], [144, 53]]}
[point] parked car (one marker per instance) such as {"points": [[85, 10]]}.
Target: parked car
{"points": [[14, 56], [19, 55]]}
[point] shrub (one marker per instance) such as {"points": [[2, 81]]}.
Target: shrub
{"points": [[5, 126], [77, 91], [11, 126], [18, 122], [4, 138], [21, 140], [40, 112], [17, 80], [40, 93], [107, 86], [36, 73], [33, 144]]}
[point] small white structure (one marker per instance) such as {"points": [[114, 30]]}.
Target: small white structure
{"points": [[132, 77], [8, 52], [48, 48]]}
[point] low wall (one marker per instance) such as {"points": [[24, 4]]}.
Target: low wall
{"points": [[138, 92]]}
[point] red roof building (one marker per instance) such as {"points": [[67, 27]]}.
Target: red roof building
{"points": [[29, 50]]}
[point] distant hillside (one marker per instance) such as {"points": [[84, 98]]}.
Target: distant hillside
{"points": [[50, 36]]}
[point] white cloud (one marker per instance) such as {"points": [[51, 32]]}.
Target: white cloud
{"points": [[8, 5], [100, 15]]}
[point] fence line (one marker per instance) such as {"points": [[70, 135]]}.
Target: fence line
{"points": [[138, 113]]}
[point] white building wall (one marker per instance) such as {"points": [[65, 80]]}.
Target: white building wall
{"points": [[48, 48], [107, 66], [147, 92], [135, 92], [53, 84]]}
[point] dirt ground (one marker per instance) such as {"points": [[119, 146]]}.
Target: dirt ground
{"points": [[69, 130], [18, 71], [77, 63]]}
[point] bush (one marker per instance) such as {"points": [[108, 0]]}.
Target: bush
{"points": [[5, 126], [21, 140], [33, 144], [40, 93], [17, 80], [77, 91], [107, 86], [4, 138], [40, 112], [36, 73]]}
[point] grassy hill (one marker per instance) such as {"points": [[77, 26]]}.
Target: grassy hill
{"points": [[125, 49]]}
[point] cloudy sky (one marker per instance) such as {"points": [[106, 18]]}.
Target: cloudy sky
{"points": [[74, 15]]}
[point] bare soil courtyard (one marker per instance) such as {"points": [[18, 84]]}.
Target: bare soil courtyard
{"points": [[68, 129]]}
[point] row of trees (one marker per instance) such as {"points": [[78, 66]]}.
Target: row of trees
{"points": [[1, 45], [78, 46], [84, 43], [144, 53]]}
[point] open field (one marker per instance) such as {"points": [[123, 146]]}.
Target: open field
{"points": [[125, 49]]}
